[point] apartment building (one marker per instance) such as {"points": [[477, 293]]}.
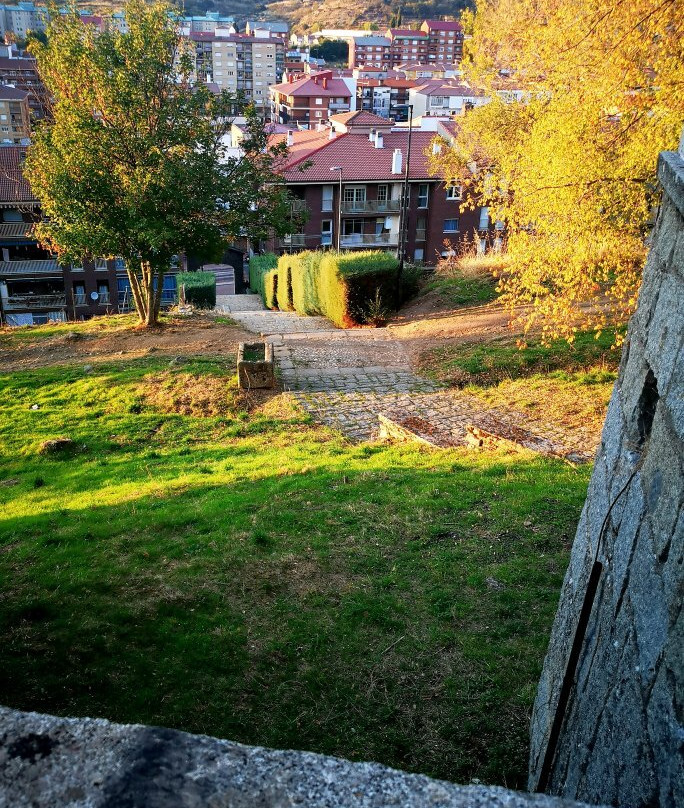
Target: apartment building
{"points": [[21, 18], [208, 23], [268, 29], [435, 41], [22, 73], [387, 97], [237, 62], [350, 178], [15, 115], [440, 98], [312, 99], [445, 41]]}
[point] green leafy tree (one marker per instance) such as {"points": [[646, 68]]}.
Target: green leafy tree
{"points": [[570, 169], [133, 160]]}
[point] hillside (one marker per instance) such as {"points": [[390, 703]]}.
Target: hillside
{"points": [[310, 15]]}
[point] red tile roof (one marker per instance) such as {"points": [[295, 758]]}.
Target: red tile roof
{"points": [[359, 159], [360, 117], [441, 25], [448, 88], [307, 86], [14, 187], [17, 64], [408, 32]]}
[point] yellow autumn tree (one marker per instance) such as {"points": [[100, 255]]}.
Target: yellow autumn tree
{"points": [[570, 169]]}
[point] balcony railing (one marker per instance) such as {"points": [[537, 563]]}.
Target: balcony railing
{"points": [[15, 302], [420, 234], [103, 298], [372, 206], [293, 240], [80, 300], [298, 205], [16, 229], [30, 267], [370, 240]]}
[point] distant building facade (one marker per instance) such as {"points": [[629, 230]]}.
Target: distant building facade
{"points": [[312, 99], [435, 41], [15, 115]]}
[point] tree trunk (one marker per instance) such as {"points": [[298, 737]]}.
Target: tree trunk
{"points": [[147, 299]]}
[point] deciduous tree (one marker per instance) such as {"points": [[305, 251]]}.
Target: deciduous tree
{"points": [[571, 168], [134, 160]]}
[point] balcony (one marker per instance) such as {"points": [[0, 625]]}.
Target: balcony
{"points": [[20, 230], [295, 241], [30, 268], [17, 302], [80, 299], [370, 240], [372, 206]]}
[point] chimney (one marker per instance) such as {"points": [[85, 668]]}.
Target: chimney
{"points": [[290, 138], [396, 161], [325, 82], [331, 134], [371, 135], [378, 140], [436, 148]]}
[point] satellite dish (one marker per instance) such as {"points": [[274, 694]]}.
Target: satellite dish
{"points": [[94, 296]]}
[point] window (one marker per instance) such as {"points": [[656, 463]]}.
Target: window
{"points": [[354, 197], [327, 199], [423, 195], [319, 100], [451, 225], [103, 292], [418, 254], [484, 219], [79, 294], [382, 194], [437, 101], [326, 232], [454, 193]]}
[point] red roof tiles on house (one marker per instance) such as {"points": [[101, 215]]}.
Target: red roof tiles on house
{"points": [[14, 187], [442, 25], [309, 86], [360, 160], [360, 117], [8, 93]]}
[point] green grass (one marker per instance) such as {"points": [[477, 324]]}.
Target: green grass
{"points": [[491, 362], [463, 290], [98, 326], [257, 578]]}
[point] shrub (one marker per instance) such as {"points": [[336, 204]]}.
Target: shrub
{"points": [[350, 282], [343, 287], [200, 288], [305, 278], [284, 285], [263, 278]]}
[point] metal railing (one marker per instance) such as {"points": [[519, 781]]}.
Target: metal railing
{"points": [[80, 300], [294, 240], [370, 240], [103, 298], [372, 206], [35, 302]]}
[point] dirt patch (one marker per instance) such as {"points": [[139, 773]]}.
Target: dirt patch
{"points": [[197, 335], [186, 394]]}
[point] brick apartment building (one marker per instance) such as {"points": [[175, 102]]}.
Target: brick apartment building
{"points": [[34, 287], [362, 156], [236, 62], [312, 99], [21, 72], [434, 41]]}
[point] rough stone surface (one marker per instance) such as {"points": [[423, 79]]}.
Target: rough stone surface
{"points": [[48, 762], [622, 738]]}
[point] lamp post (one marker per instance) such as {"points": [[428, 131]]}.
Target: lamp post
{"points": [[403, 218], [339, 207]]}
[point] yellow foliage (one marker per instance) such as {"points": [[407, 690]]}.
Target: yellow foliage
{"points": [[571, 168]]}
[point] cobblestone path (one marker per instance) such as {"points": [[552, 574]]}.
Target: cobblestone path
{"points": [[346, 379]]}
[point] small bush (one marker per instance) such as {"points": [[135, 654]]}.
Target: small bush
{"points": [[200, 288], [305, 275]]}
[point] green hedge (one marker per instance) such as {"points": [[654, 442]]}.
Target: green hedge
{"points": [[345, 287], [263, 278], [200, 288]]}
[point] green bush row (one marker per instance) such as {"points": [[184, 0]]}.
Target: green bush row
{"points": [[200, 288], [347, 288]]}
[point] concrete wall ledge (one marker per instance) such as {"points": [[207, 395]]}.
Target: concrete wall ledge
{"points": [[49, 762]]}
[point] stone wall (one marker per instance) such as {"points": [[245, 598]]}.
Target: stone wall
{"points": [[621, 738], [48, 762]]}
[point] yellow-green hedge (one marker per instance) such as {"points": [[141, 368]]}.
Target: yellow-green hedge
{"points": [[341, 286]]}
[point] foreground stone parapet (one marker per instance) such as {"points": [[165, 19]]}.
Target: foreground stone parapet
{"points": [[608, 723], [48, 762]]}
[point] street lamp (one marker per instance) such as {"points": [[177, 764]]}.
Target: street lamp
{"points": [[339, 207], [403, 218]]}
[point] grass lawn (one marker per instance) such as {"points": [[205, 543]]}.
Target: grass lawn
{"points": [[253, 576]]}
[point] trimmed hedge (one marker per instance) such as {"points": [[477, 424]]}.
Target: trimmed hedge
{"points": [[200, 288], [263, 278], [344, 287]]}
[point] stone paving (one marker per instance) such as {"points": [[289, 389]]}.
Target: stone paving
{"points": [[346, 379]]}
